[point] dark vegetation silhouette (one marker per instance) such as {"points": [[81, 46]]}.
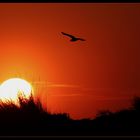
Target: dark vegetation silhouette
{"points": [[29, 118]]}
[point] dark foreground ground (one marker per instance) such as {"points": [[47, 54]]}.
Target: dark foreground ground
{"points": [[31, 120]]}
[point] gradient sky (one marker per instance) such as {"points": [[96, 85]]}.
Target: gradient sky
{"points": [[80, 78]]}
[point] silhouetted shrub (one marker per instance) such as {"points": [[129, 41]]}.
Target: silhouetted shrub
{"points": [[136, 103], [36, 121]]}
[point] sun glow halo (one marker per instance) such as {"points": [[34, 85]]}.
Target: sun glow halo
{"points": [[10, 89]]}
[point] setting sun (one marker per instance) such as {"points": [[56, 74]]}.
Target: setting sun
{"points": [[10, 89]]}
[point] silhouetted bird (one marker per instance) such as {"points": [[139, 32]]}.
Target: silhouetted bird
{"points": [[73, 38]]}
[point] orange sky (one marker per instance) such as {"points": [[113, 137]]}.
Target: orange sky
{"points": [[81, 77]]}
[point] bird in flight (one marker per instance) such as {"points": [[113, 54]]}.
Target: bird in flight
{"points": [[73, 38]]}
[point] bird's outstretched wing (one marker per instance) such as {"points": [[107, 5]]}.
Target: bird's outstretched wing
{"points": [[81, 39], [68, 35]]}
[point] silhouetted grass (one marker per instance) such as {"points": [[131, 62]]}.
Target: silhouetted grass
{"points": [[29, 118], [29, 115]]}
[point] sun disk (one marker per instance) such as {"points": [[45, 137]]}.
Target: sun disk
{"points": [[11, 88]]}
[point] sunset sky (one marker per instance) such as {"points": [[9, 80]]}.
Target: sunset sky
{"points": [[79, 78]]}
